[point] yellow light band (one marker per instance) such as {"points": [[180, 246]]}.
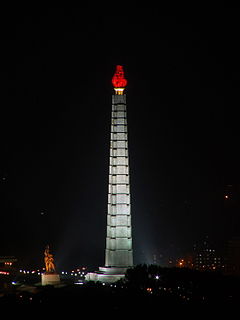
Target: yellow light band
{"points": [[119, 91]]}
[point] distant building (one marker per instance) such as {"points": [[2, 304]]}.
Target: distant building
{"points": [[6, 265], [185, 262], [206, 258], [233, 256], [7, 261]]}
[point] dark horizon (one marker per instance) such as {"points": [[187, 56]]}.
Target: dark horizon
{"points": [[56, 81]]}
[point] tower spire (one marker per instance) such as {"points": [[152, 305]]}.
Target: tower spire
{"points": [[119, 251], [119, 231], [119, 82]]}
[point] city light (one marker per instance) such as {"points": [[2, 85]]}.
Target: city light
{"points": [[5, 273]]}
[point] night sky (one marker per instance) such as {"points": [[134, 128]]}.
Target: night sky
{"points": [[56, 70]]}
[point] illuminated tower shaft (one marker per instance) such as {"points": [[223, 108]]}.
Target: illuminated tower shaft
{"points": [[118, 253], [119, 231]]}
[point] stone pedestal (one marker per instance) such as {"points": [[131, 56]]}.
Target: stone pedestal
{"points": [[107, 274], [50, 279]]}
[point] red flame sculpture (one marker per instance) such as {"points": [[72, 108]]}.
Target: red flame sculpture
{"points": [[118, 79]]}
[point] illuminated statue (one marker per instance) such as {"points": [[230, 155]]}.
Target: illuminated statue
{"points": [[49, 261]]}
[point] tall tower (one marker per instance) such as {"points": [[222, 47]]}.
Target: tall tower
{"points": [[118, 253], [119, 231]]}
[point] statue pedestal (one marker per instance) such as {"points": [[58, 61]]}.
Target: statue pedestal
{"points": [[50, 279]]}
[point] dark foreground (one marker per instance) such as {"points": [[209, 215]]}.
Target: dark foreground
{"points": [[147, 290]]}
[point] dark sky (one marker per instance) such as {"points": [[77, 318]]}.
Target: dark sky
{"points": [[56, 70]]}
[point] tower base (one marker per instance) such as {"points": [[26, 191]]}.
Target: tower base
{"points": [[50, 279], [107, 274]]}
